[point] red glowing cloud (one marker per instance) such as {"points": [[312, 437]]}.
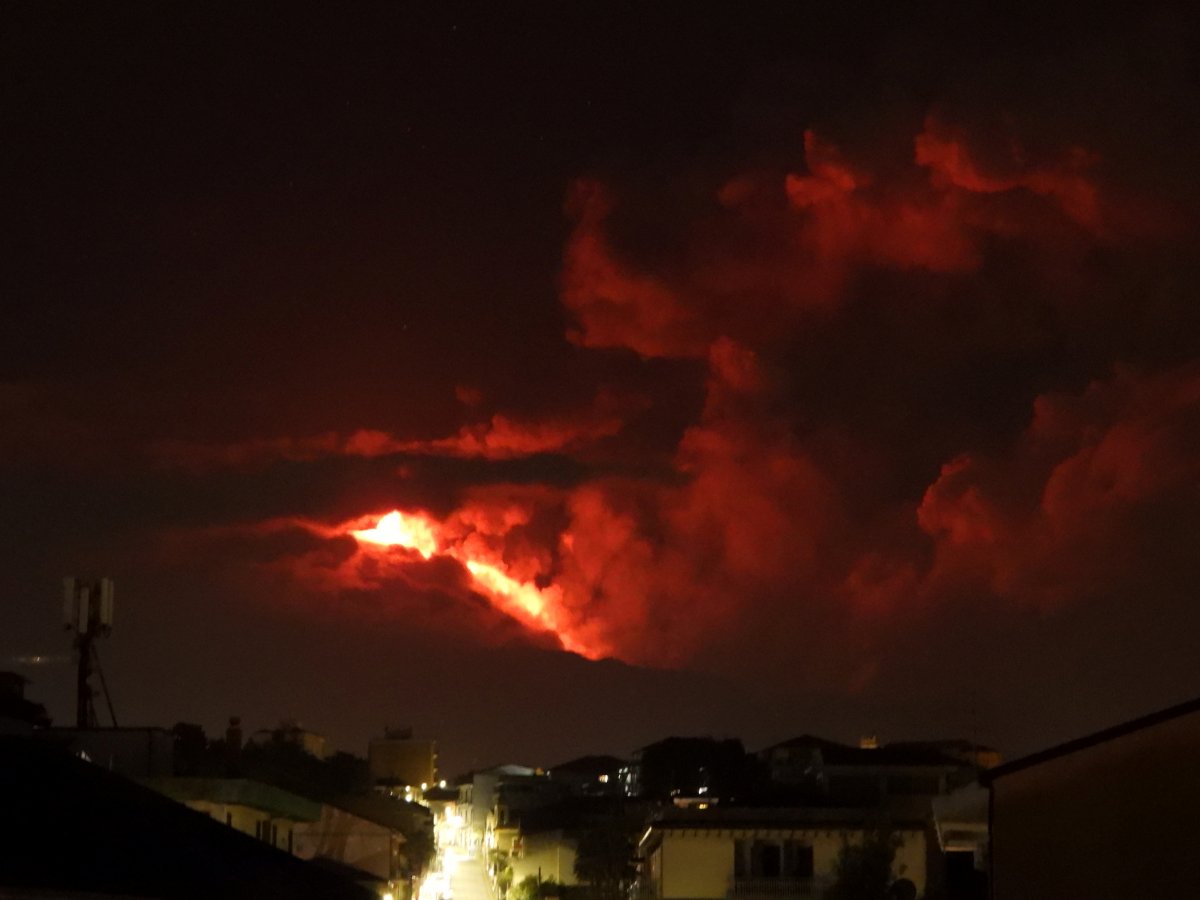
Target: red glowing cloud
{"points": [[763, 517], [774, 247], [500, 437], [1058, 519], [846, 221], [945, 152], [616, 305]]}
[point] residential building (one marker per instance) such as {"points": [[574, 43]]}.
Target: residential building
{"points": [[961, 824], [397, 760], [590, 776], [364, 836], [544, 841], [546, 851], [74, 829], [745, 853], [289, 731], [477, 796], [19, 716], [1110, 815], [693, 767], [260, 810], [340, 836], [900, 777]]}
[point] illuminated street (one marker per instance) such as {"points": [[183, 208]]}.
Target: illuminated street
{"points": [[468, 880]]}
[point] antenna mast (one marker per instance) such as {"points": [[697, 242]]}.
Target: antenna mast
{"points": [[88, 611]]}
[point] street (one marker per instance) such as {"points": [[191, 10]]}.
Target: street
{"points": [[468, 880]]}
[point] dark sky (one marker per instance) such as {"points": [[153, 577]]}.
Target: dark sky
{"points": [[803, 369]]}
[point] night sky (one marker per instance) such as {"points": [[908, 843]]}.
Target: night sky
{"points": [[787, 368]]}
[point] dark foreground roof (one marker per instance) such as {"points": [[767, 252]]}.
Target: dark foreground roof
{"points": [[69, 825], [1108, 734]]}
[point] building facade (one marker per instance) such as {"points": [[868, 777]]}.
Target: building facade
{"points": [[758, 854], [251, 807]]}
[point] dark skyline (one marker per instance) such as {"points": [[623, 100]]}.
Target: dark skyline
{"points": [[826, 371]]}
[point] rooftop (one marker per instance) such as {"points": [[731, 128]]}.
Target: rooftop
{"points": [[87, 830]]}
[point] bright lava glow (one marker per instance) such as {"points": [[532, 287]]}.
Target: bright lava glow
{"points": [[397, 529], [525, 596], [535, 607]]}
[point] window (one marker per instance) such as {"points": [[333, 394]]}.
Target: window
{"points": [[797, 860], [772, 859]]}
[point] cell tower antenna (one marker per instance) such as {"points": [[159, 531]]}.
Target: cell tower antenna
{"points": [[88, 611]]}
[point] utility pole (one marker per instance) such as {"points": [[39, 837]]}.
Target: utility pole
{"points": [[88, 611]]}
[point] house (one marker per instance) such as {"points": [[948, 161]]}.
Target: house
{"points": [[263, 811], [961, 824], [515, 797], [478, 794], [410, 824], [1110, 815], [901, 777], [74, 829], [397, 760], [749, 853], [590, 776], [340, 838], [692, 767], [18, 715], [288, 731], [545, 840], [546, 852]]}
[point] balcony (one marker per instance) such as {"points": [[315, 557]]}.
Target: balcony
{"points": [[770, 888]]}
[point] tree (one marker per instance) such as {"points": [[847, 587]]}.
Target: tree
{"points": [[864, 871], [191, 749], [419, 849], [682, 765], [530, 888], [604, 860]]}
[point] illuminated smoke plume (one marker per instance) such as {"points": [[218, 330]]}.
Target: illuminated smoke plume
{"points": [[498, 438], [1060, 517], [792, 525]]}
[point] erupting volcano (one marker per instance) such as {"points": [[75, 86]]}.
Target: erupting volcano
{"points": [[540, 609]]}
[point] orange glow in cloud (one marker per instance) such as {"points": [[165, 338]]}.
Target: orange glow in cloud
{"points": [[540, 609], [398, 530]]}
